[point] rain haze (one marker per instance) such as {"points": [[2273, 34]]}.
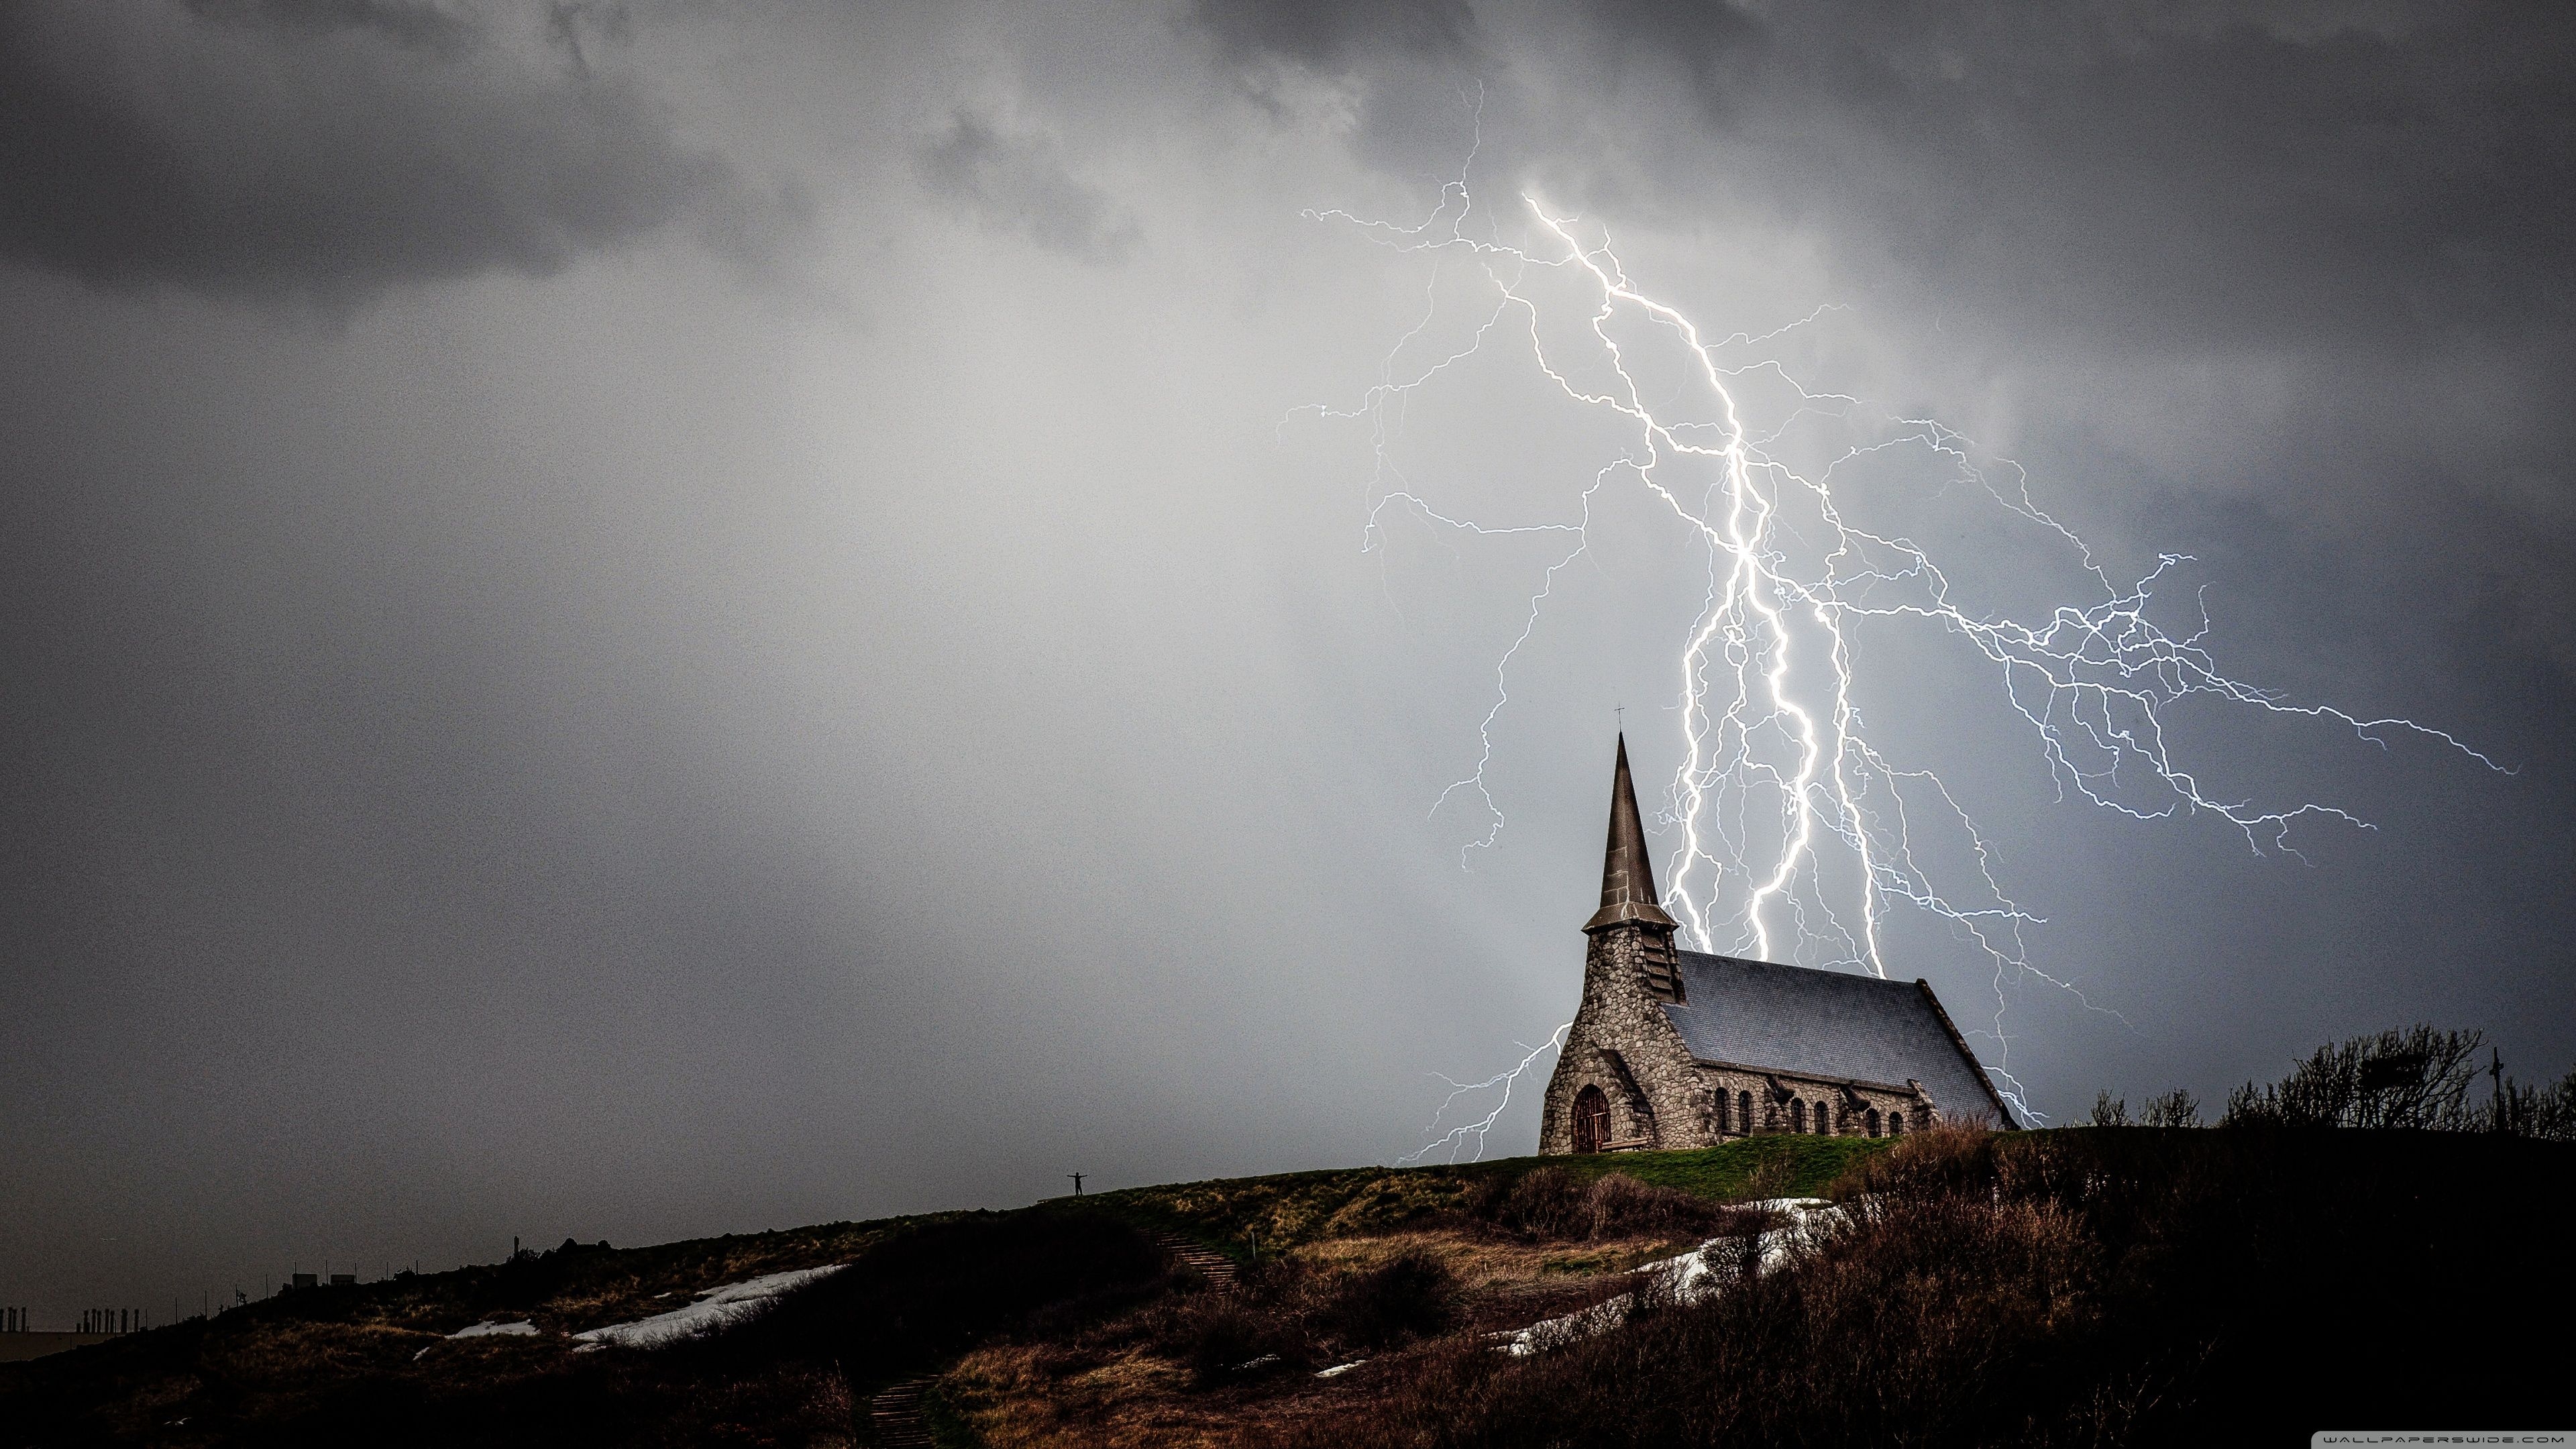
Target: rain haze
{"points": [[644, 620]]}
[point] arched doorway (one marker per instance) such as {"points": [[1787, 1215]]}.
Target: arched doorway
{"points": [[1591, 1120]]}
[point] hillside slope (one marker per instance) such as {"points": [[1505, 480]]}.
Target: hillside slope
{"points": [[2102, 1285]]}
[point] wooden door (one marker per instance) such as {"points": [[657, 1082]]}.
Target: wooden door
{"points": [[1591, 1120]]}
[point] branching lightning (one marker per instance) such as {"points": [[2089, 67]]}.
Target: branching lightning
{"points": [[1795, 835], [1461, 1138]]}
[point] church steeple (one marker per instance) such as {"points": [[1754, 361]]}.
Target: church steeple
{"points": [[1627, 874]]}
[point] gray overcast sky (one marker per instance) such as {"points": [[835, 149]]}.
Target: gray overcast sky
{"points": [[648, 620]]}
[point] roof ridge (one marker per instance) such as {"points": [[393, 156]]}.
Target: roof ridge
{"points": [[1790, 966]]}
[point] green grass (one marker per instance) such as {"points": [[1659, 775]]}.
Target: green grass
{"points": [[1288, 1209], [1807, 1165]]}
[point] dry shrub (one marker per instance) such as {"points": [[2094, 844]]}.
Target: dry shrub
{"points": [[1550, 1204], [1908, 1326], [1219, 1339], [1771, 1177], [2418, 1079], [2177, 1108], [2060, 1289], [1299, 1318], [801, 1405], [1545, 1203], [1936, 1295], [1411, 1295], [1622, 1207], [1934, 1161]]}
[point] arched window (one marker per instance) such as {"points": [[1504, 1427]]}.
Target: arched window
{"points": [[1591, 1120], [1744, 1111], [1822, 1125], [1721, 1114], [1870, 1118], [1797, 1115], [1896, 1124]]}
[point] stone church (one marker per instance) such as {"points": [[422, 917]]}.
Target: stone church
{"points": [[1673, 1048]]}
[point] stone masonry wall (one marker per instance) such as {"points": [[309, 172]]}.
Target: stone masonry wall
{"points": [[1665, 1098], [1620, 1016], [1846, 1105]]}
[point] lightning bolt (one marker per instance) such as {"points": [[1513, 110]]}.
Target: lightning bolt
{"points": [[1796, 836], [1458, 1139]]}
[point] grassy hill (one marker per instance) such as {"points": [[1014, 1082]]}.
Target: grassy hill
{"points": [[2113, 1285], [1292, 1209]]}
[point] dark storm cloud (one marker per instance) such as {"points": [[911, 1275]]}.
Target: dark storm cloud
{"points": [[405, 21], [2206, 174], [333, 147], [2223, 174], [1333, 31], [2361, 208], [1018, 184]]}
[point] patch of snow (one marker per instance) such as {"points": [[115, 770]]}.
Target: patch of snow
{"points": [[1796, 1206], [1339, 1369], [1248, 1365], [715, 1308], [488, 1330], [1690, 1278]]}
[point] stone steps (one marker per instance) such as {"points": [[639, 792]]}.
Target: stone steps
{"points": [[896, 1416], [1216, 1267]]}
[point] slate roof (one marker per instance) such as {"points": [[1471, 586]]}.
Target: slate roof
{"points": [[1828, 1024]]}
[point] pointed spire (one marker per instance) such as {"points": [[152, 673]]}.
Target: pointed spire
{"points": [[1627, 874]]}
